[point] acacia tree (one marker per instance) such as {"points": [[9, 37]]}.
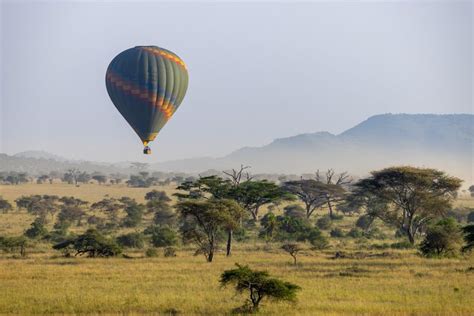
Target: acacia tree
{"points": [[309, 191], [71, 176], [335, 189], [252, 195], [110, 206], [411, 196], [293, 249], [205, 188], [203, 220], [259, 285]]}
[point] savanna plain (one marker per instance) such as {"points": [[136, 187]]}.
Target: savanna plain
{"points": [[366, 280]]}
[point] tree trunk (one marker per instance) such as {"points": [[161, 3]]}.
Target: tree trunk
{"points": [[229, 242], [254, 215], [330, 208], [210, 255]]}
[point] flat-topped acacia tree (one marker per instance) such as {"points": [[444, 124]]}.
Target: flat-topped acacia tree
{"points": [[407, 197], [258, 285]]}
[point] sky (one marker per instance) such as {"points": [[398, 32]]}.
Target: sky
{"points": [[258, 71]]}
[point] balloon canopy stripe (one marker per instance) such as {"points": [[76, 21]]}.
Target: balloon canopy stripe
{"points": [[159, 52], [128, 87]]}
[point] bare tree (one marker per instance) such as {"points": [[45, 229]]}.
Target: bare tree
{"points": [[338, 184], [237, 175]]}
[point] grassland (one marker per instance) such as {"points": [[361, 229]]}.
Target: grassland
{"points": [[385, 282]]}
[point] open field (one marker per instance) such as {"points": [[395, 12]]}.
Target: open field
{"points": [[384, 282], [402, 285]]}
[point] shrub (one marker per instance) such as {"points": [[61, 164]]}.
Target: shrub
{"points": [[324, 222], [364, 222], [37, 230], [163, 236], [151, 252], [468, 237], [356, 233], [336, 217], [470, 217], [295, 211], [258, 285], [169, 252], [131, 240], [336, 233], [317, 239], [12, 244], [442, 239]]}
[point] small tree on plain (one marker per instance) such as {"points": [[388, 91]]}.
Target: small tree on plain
{"points": [[293, 249], [258, 285]]}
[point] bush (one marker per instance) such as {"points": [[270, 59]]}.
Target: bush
{"points": [[163, 236], [337, 233], [442, 239], [336, 217], [470, 217], [364, 222], [151, 252], [37, 230], [317, 239], [295, 211], [356, 233], [169, 252], [324, 222], [131, 240], [468, 237]]}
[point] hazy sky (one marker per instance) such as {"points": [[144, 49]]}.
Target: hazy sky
{"points": [[257, 71]]}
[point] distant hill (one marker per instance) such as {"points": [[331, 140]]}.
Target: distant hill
{"points": [[440, 141], [39, 154], [46, 163]]}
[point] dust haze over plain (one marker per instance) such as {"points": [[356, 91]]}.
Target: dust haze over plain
{"points": [[257, 71]]}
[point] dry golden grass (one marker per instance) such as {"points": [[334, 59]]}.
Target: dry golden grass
{"points": [[400, 283], [88, 192]]}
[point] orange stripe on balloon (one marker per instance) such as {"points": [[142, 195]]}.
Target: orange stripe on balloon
{"points": [[158, 52], [139, 93]]}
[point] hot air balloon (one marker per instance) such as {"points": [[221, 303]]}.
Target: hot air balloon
{"points": [[147, 84]]}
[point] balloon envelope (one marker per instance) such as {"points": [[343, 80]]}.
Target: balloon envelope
{"points": [[147, 84]]}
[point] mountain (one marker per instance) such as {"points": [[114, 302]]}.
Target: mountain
{"points": [[39, 154], [440, 141], [45, 163]]}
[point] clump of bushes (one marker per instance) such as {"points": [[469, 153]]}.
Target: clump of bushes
{"points": [[324, 222], [443, 239], [337, 233], [169, 252], [151, 253]]}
